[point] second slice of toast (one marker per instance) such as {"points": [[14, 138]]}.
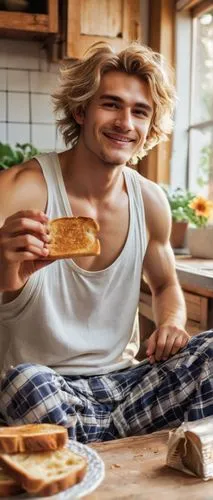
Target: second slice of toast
{"points": [[8, 485], [45, 473]]}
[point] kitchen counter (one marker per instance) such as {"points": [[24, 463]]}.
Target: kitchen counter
{"points": [[195, 274], [196, 279]]}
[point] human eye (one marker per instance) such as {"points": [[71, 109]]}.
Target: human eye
{"points": [[140, 112], [110, 105]]}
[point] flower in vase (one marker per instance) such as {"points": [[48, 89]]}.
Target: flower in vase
{"points": [[202, 209]]}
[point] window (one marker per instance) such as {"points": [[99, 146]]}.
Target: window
{"points": [[200, 130]]}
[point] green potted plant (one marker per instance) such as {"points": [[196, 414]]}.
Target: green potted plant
{"points": [[186, 208], [13, 156]]}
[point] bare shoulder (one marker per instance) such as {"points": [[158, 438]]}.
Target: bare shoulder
{"points": [[157, 211], [22, 187]]}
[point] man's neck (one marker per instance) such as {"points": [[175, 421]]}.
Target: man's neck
{"points": [[90, 177]]}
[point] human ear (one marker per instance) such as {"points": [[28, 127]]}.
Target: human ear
{"points": [[78, 114]]}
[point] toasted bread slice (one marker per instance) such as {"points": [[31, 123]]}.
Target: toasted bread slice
{"points": [[8, 485], [32, 437], [45, 473], [73, 236]]}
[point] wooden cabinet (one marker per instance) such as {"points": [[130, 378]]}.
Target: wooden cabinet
{"points": [[27, 25], [196, 279], [197, 311], [114, 21]]}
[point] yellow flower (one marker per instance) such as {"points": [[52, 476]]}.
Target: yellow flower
{"points": [[201, 206]]}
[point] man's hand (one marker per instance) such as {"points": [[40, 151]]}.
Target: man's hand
{"points": [[24, 242], [166, 341]]}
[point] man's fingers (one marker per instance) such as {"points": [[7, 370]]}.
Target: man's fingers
{"points": [[151, 344], [162, 339], [25, 241], [25, 225], [174, 344], [25, 244], [21, 256], [179, 343], [29, 214], [164, 342], [151, 359]]}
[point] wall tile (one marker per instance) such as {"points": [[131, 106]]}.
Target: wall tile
{"points": [[42, 109], [44, 137], [18, 80], [3, 132], [29, 79], [3, 54], [54, 68], [3, 106], [43, 60], [18, 107], [43, 82], [3, 79], [18, 132], [22, 54]]}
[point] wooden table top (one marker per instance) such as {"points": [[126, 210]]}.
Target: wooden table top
{"points": [[195, 275], [135, 469]]}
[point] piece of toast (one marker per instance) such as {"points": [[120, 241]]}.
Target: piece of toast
{"points": [[8, 485], [45, 473], [32, 437], [72, 237]]}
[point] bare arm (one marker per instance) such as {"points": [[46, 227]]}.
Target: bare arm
{"points": [[22, 225], [22, 187], [159, 269]]}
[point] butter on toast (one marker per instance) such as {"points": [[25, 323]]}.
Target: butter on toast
{"points": [[72, 237], [32, 437], [45, 473]]}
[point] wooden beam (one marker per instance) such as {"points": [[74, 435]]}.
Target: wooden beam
{"points": [[202, 8], [186, 4], [53, 16], [156, 166]]}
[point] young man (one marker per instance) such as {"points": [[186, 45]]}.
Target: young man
{"points": [[68, 330]]}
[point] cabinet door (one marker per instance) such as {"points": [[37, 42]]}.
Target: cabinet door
{"points": [[88, 21]]}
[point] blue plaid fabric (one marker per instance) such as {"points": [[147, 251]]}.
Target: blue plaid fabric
{"points": [[135, 401]]}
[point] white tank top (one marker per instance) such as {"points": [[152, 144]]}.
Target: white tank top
{"points": [[78, 322]]}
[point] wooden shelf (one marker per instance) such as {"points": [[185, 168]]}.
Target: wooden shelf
{"points": [[19, 24], [24, 22]]}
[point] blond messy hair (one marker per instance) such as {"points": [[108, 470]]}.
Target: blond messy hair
{"points": [[81, 80]]}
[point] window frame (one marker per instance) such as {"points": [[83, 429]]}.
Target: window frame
{"points": [[185, 34], [196, 12]]}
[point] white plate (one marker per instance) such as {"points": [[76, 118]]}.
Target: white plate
{"points": [[93, 477]]}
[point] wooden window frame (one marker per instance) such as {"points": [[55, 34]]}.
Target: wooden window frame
{"points": [[201, 8]]}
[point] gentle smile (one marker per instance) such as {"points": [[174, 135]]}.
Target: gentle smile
{"points": [[119, 138]]}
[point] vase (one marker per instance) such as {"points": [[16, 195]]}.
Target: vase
{"points": [[178, 234], [200, 241]]}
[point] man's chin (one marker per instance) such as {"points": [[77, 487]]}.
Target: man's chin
{"points": [[115, 161]]}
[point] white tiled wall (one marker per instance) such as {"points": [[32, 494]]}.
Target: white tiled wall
{"points": [[27, 80]]}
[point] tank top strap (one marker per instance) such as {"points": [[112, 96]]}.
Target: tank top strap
{"points": [[133, 181], [57, 204]]}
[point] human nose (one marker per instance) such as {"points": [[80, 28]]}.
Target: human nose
{"points": [[124, 120]]}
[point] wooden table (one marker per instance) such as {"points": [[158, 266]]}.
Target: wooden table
{"points": [[135, 469]]}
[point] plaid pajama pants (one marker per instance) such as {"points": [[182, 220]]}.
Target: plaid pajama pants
{"points": [[134, 401]]}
